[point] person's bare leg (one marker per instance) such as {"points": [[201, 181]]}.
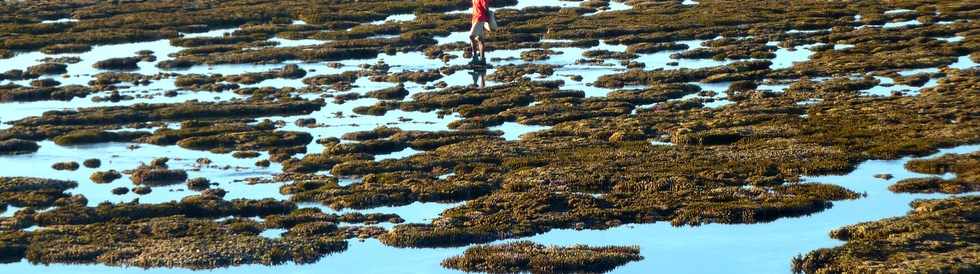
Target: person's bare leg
{"points": [[483, 78], [483, 53], [473, 45]]}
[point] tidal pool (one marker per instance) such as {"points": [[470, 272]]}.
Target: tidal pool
{"points": [[712, 248], [754, 248]]}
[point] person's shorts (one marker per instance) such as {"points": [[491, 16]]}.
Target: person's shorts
{"points": [[479, 29]]}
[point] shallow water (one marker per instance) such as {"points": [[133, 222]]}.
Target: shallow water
{"points": [[119, 157], [909, 23], [761, 248], [395, 18]]}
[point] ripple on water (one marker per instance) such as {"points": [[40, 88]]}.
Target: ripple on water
{"points": [[668, 249], [513, 131], [395, 18], [119, 157]]}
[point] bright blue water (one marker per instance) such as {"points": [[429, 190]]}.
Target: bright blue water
{"points": [[763, 248]]}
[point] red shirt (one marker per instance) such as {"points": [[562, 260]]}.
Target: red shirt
{"points": [[480, 11]]}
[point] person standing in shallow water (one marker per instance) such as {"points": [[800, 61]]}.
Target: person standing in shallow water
{"points": [[480, 25]]}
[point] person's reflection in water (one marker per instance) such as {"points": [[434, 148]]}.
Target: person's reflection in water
{"points": [[479, 77]]}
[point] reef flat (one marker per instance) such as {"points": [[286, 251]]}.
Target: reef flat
{"points": [[211, 134], [937, 236]]}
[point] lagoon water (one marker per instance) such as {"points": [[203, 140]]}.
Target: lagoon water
{"points": [[713, 248]]}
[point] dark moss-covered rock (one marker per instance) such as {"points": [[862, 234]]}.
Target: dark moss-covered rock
{"points": [[42, 90], [198, 184], [937, 236], [262, 163], [245, 154], [646, 48], [92, 163], [965, 166], [104, 177], [93, 136], [169, 112], [252, 140], [18, 146], [142, 190], [44, 83], [125, 63], [70, 166], [46, 69], [120, 190], [66, 48], [33, 192], [526, 256], [175, 242], [393, 93], [157, 176]]}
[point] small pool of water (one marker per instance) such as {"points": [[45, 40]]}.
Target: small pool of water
{"points": [[895, 25], [224, 170], [513, 131], [396, 18], [273, 233]]}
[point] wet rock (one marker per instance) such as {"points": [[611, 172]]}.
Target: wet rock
{"points": [[178, 241], [44, 83], [80, 137], [711, 137], [290, 71], [198, 184], [176, 64], [745, 70], [262, 163], [526, 256], [159, 162], [420, 77], [196, 206], [250, 140], [607, 54], [16, 93], [394, 93], [647, 48], [898, 244], [966, 167], [70, 166], [46, 69], [245, 154], [190, 42], [33, 192], [306, 122], [332, 79], [142, 190], [538, 54], [155, 176], [62, 60], [17, 146], [508, 73], [92, 163], [125, 63], [105, 177], [66, 48], [157, 112], [214, 192], [120, 191], [884, 176]]}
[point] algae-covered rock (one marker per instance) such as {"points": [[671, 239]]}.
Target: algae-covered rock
{"points": [[937, 236], [157, 176], [31, 191], [104, 177], [965, 166], [526, 256], [18, 146]]}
